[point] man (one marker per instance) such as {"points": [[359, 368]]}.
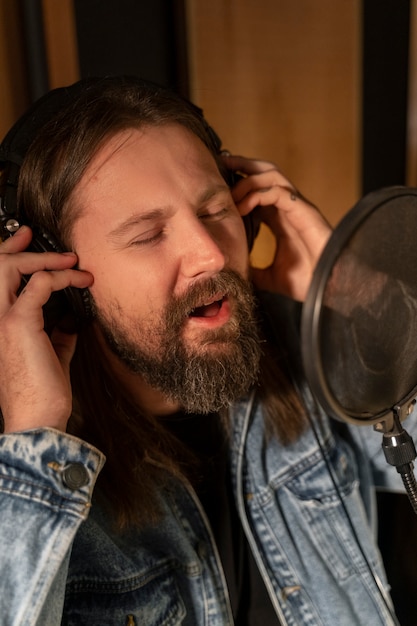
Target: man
{"points": [[217, 503]]}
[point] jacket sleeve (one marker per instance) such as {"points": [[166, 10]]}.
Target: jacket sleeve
{"points": [[46, 484]]}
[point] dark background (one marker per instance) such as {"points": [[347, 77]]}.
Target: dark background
{"points": [[154, 49]]}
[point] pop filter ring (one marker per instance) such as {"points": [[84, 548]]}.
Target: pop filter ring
{"points": [[313, 308]]}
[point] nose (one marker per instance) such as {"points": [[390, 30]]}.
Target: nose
{"points": [[201, 254]]}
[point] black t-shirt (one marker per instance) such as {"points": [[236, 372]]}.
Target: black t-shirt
{"points": [[250, 601]]}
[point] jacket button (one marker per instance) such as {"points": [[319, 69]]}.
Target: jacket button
{"points": [[75, 476]]}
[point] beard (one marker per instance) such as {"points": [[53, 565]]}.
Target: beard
{"points": [[220, 366]]}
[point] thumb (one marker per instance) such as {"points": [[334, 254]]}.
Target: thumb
{"points": [[64, 345], [262, 278]]}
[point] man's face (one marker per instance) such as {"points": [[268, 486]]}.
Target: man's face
{"points": [[160, 233]]}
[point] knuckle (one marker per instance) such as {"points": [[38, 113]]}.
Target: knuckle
{"points": [[39, 280]]}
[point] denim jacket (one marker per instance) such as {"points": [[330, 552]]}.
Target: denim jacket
{"points": [[306, 510], [61, 563]]}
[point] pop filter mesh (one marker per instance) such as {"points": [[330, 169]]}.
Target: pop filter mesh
{"points": [[367, 329]]}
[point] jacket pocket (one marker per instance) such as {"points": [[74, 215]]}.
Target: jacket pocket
{"points": [[152, 600], [310, 517]]}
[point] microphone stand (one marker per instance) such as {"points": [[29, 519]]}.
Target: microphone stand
{"points": [[399, 448]]}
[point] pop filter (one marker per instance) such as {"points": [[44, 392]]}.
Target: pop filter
{"points": [[359, 321]]}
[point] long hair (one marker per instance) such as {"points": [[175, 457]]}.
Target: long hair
{"points": [[142, 455]]}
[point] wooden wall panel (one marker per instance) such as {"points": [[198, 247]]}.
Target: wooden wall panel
{"points": [[61, 42], [281, 80], [278, 79], [14, 96], [61, 48]]}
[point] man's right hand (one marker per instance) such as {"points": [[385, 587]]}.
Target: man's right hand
{"points": [[35, 388]]}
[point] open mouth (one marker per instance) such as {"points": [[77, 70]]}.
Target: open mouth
{"points": [[209, 309]]}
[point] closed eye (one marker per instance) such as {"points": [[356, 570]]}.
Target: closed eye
{"points": [[215, 215], [148, 238]]}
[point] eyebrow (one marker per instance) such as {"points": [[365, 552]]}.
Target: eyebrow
{"points": [[161, 212], [135, 220]]}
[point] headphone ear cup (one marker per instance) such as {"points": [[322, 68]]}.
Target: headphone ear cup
{"points": [[70, 308], [251, 221]]}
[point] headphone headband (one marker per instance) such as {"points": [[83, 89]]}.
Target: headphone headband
{"points": [[19, 138], [17, 141]]}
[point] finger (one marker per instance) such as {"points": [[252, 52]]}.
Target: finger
{"points": [[14, 266], [18, 242], [42, 284], [43, 260], [39, 288], [300, 213], [251, 167], [244, 164], [258, 193], [270, 180]]}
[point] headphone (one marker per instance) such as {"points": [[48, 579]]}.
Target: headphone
{"points": [[13, 149], [12, 153]]}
